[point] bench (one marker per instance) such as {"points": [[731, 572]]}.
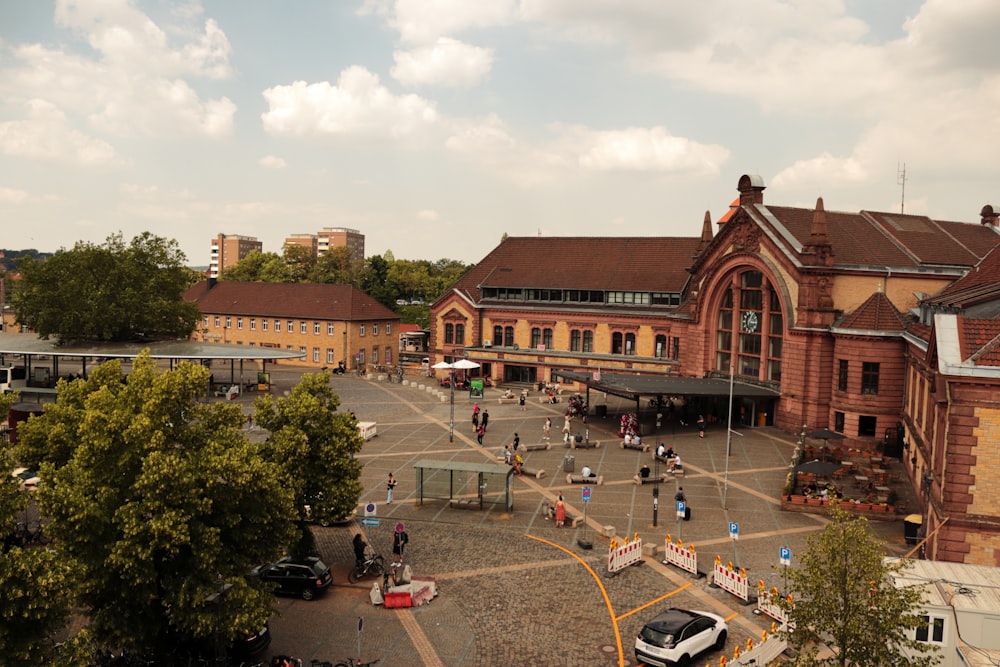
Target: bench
{"points": [[651, 479], [537, 473], [584, 444], [572, 520], [536, 446], [677, 472], [642, 447], [465, 504], [580, 479], [545, 399]]}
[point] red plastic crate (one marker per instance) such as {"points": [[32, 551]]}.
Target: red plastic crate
{"points": [[398, 600]]}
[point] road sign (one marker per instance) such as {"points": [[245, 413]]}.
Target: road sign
{"points": [[369, 521], [680, 509], [586, 494], [734, 530], [370, 509], [785, 555]]}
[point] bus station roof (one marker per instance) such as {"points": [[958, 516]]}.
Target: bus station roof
{"points": [[31, 345], [634, 385]]}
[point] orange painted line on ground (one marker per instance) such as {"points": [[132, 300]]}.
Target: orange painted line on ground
{"points": [[604, 594], [652, 602]]}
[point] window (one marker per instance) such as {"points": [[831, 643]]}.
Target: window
{"points": [[460, 334], [388, 355], [630, 343], [616, 342], [239, 322], [508, 337], [289, 326], [867, 425], [536, 337], [302, 349], [675, 353], [253, 324], [388, 328], [361, 358], [588, 341], [660, 346], [842, 376], [375, 329], [329, 328], [216, 321], [277, 326], [204, 322], [374, 355], [316, 328], [229, 323], [749, 328], [315, 355], [869, 377], [303, 327], [329, 355], [498, 335], [931, 630], [838, 422], [574, 340], [361, 330], [449, 333], [263, 325], [547, 338]]}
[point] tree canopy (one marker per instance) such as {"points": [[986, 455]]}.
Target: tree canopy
{"points": [[846, 602], [112, 292], [315, 446], [153, 496]]}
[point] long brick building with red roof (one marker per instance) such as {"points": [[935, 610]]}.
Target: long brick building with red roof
{"points": [[856, 320]]}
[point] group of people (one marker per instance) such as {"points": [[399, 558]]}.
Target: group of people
{"points": [[668, 454], [479, 421]]}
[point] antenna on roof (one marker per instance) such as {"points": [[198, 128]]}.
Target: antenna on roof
{"points": [[539, 232], [901, 181]]}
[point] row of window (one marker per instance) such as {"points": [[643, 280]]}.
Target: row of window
{"points": [[582, 296], [289, 326], [580, 340], [331, 354], [869, 376]]}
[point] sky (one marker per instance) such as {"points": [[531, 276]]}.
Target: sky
{"points": [[435, 127]]}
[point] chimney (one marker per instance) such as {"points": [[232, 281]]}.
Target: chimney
{"points": [[751, 189], [211, 282], [989, 216]]}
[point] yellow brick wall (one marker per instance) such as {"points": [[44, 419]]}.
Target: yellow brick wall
{"points": [[986, 490]]}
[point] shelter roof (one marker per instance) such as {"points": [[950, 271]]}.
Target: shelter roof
{"points": [[632, 386], [27, 344]]}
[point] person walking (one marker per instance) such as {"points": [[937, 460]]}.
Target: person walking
{"points": [[399, 541], [517, 441], [475, 421], [486, 419], [560, 512], [547, 429], [701, 426], [390, 485], [521, 400], [480, 432], [566, 429]]}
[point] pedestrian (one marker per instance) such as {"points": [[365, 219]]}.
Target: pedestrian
{"points": [[547, 429], [399, 541], [517, 441], [566, 429], [475, 422], [486, 419], [508, 455], [249, 422], [475, 410], [480, 432], [520, 400], [518, 462], [701, 426], [560, 512], [679, 496], [359, 549], [390, 485]]}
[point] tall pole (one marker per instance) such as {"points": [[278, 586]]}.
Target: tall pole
{"points": [[729, 437], [451, 383]]}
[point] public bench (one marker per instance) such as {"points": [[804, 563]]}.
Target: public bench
{"points": [[640, 480], [530, 471], [579, 443], [574, 520], [630, 444], [572, 478], [537, 446]]}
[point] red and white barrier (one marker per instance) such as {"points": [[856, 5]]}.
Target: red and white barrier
{"points": [[677, 554], [769, 603], [730, 580], [622, 555]]}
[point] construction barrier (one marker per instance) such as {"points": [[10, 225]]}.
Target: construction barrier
{"points": [[677, 554], [731, 581], [769, 603], [759, 653], [622, 555]]}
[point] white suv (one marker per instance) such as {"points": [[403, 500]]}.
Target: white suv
{"points": [[677, 635]]}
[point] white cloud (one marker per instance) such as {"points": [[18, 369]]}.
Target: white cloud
{"points": [[427, 215], [646, 149], [12, 196], [357, 104], [46, 135], [448, 62], [272, 162], [423, 21]]}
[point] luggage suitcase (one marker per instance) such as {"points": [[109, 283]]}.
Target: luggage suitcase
{"points": [[687, 512]]}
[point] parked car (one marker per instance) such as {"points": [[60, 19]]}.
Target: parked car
{"points": [[678, 635], [27, 480], [305, 577]]}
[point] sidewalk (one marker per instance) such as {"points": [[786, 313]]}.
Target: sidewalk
{"points": [[508, 598]]}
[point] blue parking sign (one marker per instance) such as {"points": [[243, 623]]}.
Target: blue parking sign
{"points": [[680, 509], [734, 530], [785, 556]]}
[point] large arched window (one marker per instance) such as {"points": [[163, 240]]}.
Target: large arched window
{"points": [[460, 334], [498, 335], [508, 337], [660, 347], [749, 328]]}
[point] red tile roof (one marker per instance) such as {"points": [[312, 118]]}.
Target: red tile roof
{"points": [[980, 284], [877, 313], [980, 340], [646, 264], [313, 301]]}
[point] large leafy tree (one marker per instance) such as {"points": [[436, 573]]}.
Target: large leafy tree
{"points": [[153, 496], [315, 445], [258, 267], [117, 291], [846, 602], [337, 267]]}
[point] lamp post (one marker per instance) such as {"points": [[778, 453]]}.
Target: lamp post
{"points": [[463, 364]]}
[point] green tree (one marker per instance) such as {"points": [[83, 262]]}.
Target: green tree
{"points": [[299, 262], [374, 281], [257, 267], [315, 445], [111, 292], [152, 496], [337, 267], [845, 601]]}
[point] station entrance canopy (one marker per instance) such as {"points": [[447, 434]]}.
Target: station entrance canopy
{"points": [[633, 387]]}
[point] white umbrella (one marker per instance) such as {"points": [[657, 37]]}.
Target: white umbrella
{"points": [[465, 363], [442, 364]]}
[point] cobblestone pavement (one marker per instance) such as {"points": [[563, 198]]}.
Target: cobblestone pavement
{"points": [[514, 589]]}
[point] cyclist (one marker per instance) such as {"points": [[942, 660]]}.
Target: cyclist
{"points": [[359, 550]]}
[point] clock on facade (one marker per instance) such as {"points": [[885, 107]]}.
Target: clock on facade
{"points": [[749, 321]]}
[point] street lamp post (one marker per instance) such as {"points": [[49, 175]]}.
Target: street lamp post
{"points": [[451, 386]]}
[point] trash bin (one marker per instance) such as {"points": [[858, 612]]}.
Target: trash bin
{"points": [[569, 463], [601, 410], [911, 528]]}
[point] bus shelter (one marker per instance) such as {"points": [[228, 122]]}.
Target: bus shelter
{"points": [[466, 484]]}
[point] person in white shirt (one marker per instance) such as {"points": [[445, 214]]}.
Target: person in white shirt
{"points": [[675, 462], [660, 450], [585, 471]]}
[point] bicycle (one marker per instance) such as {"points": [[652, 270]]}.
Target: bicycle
{"points": [[373, 564]]}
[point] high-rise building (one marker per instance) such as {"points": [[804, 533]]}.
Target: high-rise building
{"points": [[337, 237], [228, 249], [308, 241]]}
